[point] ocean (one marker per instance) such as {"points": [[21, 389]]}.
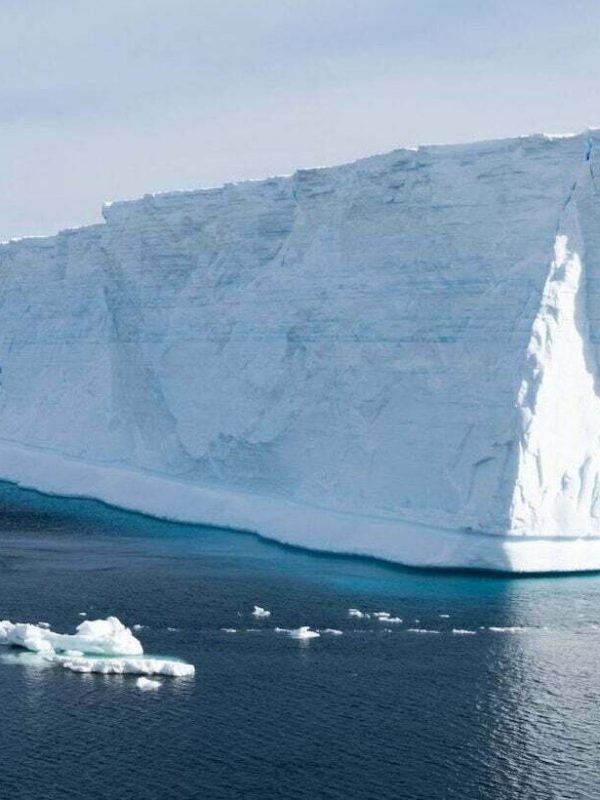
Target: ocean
{"points": [[383, 711]]}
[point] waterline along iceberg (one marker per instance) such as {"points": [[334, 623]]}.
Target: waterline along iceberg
{"points": [[397, 357]]}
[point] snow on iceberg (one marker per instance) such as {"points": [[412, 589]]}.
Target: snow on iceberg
{"points": [[104, 646], [395, 348]]}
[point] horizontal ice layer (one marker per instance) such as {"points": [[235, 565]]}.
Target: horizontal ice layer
{"points": [[396, 357], [126, 666]]}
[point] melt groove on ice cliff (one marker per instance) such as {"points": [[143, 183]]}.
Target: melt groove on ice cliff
{"points": [[396, 357]]}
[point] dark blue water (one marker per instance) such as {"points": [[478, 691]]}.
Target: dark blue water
{"points": [[369, 714]]}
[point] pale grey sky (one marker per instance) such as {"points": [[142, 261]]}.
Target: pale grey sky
{"points": [[112, 99]]}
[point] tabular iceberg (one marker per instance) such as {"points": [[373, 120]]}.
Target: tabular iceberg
{"points": [[396, 357]]}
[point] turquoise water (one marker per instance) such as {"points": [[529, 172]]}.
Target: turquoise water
{"points": [[378, 712]]}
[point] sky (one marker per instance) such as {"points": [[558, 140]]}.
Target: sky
{"points": [[115, 99]]}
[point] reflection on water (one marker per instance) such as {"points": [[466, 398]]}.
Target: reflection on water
{"points": [[376, 712]]}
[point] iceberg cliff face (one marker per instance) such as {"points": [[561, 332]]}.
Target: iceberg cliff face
{"points": [[397, 357]]}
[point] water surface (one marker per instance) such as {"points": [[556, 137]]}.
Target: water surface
{"points": [[378, 712]]}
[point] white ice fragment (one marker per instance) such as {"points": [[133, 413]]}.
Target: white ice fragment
{"points": [[126, 666], [229, 630], [172, 629], [509, 629], [384, 616], [357, 613], [138, 627], [83, 613], [463, 632], [103, 645], [421, 630], [444, 616], [260, 613], [333, 631], [44, 624], [146, 684], [304, 632]]}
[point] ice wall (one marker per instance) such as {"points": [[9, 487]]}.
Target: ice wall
{"points": [[408, 341]]}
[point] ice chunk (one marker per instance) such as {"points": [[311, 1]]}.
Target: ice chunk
{"points": [[333, 631], [357, 613], [260, 613], [126, 666], [463, 632], [303, 632], [510, 629], [146, 684], [105, 646], [229, 630], [421, 630], [385, 616]]}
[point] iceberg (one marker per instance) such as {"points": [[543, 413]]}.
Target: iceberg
{"points": [[103, 646], [394, 358]]}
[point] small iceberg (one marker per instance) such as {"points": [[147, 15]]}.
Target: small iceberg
{"points": [[103, 646], [510, 629], [229, 630], [303, 632], [421, 630], [146, 684], [333, 631], [260, 613], [385, 616], [358, 614], [463, 632]]}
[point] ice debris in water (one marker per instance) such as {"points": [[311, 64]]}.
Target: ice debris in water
{"points": [[303, 632], [421, 630], [357, 613], [444, 616], [146, 684], [463, 632], [138, 627], [229, 630], [385, 616], [102, 645], [510, 629], [260, 613], [333, 631]]}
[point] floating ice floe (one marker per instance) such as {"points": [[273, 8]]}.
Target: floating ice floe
{"points": [[125, 666], [44, 624], [420, 630], [332, 631], [463, 632], [260, 613], [385, 616], [303, 632], [444, 616], [146, 684], [229, 630], [356, 612], [103, 645], [82, 614], [510, 629]]}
